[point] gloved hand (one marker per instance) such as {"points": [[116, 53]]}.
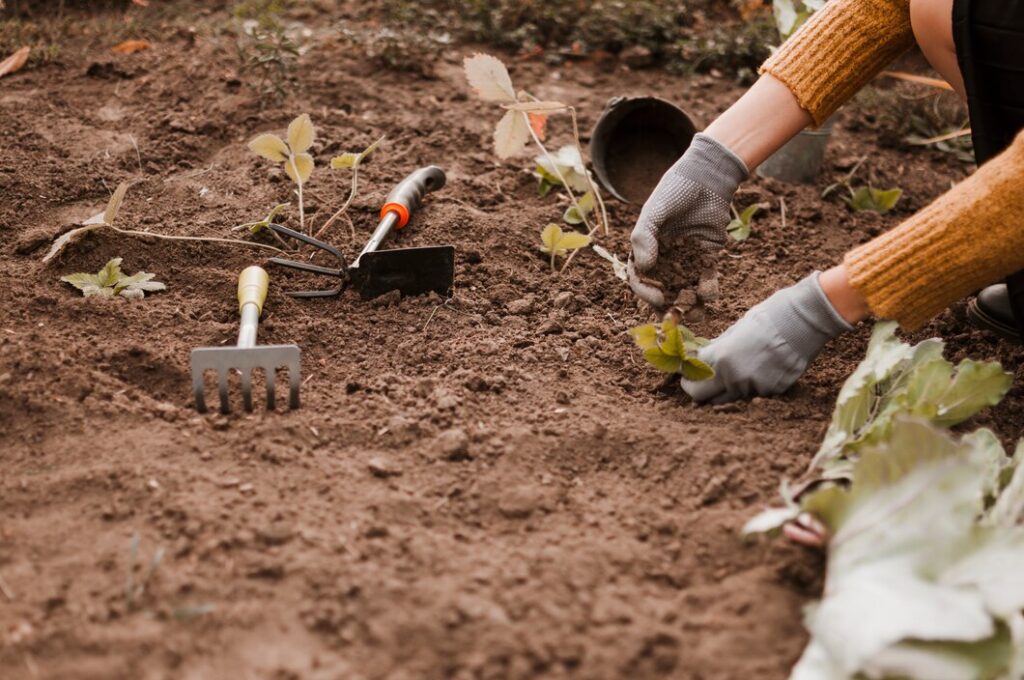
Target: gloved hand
{"points": [[692, 200], [767, 350]]}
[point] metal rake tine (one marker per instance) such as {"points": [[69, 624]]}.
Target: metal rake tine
{"points": [[222, 387], [293, 391], [197, 391], [247, 390], [271, 378]]}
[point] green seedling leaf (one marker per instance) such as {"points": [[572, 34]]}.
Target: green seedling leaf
{"points": [[298, 163], [576, 216], [352, 160], [739, 228], [569, 163], [111, 281], [672, 348], [877, 200], [618, 266], [557, 243], [257, 227]]}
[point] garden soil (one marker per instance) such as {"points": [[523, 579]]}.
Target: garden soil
{"points": [[490, 486]]}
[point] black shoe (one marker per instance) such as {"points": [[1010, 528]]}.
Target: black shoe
{"points": [[992, 311]]}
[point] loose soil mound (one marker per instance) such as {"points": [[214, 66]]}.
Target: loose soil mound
{"points": [[493, 486]]}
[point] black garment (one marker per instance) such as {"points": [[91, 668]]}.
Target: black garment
{"points": [[989, 37]]}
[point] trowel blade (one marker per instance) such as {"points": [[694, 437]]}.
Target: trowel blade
{"points": [[411, 271]]}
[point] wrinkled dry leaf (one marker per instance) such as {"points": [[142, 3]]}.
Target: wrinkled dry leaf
{"points": [[489, 78], [115, 202], [511, 135], [131, 46], [15, 62]]}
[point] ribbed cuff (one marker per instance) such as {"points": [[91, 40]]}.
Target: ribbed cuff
{"points": [[970, 237], [809, 320], [839, 50], [711, 164]]}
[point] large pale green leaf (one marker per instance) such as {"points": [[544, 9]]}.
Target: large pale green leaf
{"points": [[975, 386], [1008, 509], [994, 568], [985, 659]]}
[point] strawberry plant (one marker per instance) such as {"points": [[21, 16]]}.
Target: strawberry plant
{"points": [[351, 161], [525, 118], [865, 197], [739, 227], [111, 281], [672, 349], [293, 153], [557, 243]]}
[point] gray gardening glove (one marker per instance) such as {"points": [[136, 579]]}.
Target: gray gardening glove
{"points": [[767, 350], [692, 199]]}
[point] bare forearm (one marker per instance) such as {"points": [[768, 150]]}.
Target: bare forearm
{"points": [[760, 122]]}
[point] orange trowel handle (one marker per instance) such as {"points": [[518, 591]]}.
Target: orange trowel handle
{"points": [[405, 198]]}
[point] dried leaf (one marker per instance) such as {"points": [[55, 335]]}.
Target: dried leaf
{"points": [[15, 62], [69, 237], [511, 135], [114, 204], [300, 134], [270, 147], [489, 78], [535, 107], [131, 46]]}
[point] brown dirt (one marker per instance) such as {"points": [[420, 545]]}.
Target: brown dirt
{"points": [[490, 487]]}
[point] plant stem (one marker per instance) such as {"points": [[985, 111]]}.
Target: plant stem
{"points": [[348, 202], [590, 180], [558, 172], [298, 181], [212, 239]]}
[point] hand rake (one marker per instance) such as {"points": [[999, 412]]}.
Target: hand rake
{"points": [[246, 356]]}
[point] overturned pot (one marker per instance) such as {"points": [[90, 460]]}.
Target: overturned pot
{"points": [[636, 140], [800, 159]]}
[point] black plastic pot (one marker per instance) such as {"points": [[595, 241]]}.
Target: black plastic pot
{"points": [[635, 141]]}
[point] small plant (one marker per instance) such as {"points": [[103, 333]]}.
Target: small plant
{"points": [[618, 266], [111, 281], [558, 243], [353, 161], [567, 164], [105, 220], [525, 118], [266, 48], [577, 214], [672, 349], [867, 197], [739, 228], [298, 163]]}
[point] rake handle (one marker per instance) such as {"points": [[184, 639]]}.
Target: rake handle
{"points": [[252, 293]]}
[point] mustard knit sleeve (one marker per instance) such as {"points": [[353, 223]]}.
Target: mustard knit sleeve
{"points": [[842, 47], [970, 237]]}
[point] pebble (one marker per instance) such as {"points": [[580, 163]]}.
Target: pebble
{"points": [[521, 306], [383, 468], [564, 300], [392, 297], [519, 502], [452, 444], [276, 534]]}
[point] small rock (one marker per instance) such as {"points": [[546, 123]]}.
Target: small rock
{"points": [[564, 300], [392, 297], [275, 534], [452, 444], [521, 306], [714, 490], [383, 468], [519, 502], [273, 571], [550, 327]]}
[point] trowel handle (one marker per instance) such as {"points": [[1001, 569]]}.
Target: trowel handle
{"points": [[405, 198]]}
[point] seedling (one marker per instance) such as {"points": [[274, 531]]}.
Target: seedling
{"points": [[525, 118], [353, 161], [672, 348], [111, 281], [566, 164], [618, 266], [558, 243], [105, 220], [739, 228], [867, 197], [294, 154], [577, 214]]}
